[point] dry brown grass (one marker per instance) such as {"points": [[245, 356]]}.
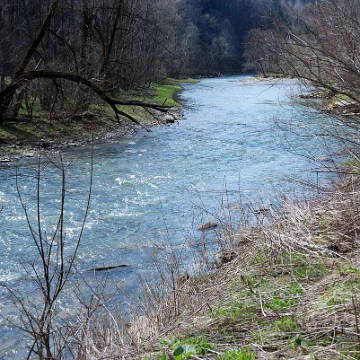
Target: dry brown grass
{"points": [[289, 290]]}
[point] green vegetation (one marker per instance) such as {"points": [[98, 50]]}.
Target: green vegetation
{"points": [[37, 128], [187, 348], [244, 354], [164, 94]]}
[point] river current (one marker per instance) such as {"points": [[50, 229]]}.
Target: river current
{"points": [[153, 187]]}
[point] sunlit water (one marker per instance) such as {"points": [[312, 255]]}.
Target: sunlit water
{"points": [[151, 187]]}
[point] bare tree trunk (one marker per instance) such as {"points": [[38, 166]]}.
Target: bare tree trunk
{"points": [[7, 94]]}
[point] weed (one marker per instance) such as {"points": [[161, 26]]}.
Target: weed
{"points": [[322, 225], [185, 348], [185, 351], [239, 308], [259, 336], [243, 354], [326, 342], [259, 259], [277, 303], [286, 324], [298, 342], [334, 302]]}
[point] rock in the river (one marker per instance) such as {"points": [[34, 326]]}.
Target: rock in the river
{"points": [[29, 154], [207, 226]]}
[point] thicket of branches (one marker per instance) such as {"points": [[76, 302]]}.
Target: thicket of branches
{"points": [[316, 41], [105, 46], [63, 51]]}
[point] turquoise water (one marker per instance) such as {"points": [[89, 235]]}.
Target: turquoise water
{"points": [[153, 187]]}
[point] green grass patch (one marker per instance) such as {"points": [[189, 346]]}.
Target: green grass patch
{"points": [[239, 308], [172, 81], [242, 354], [286, 324], [164, 94]]}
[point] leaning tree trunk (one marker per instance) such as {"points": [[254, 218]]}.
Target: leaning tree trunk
{"points": [[7, 94], [6, 97], [22, 76]]}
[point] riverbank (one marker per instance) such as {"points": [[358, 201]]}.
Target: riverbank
{"points": [[17, 143], [286, 288], [29, 135], [289, 290]]}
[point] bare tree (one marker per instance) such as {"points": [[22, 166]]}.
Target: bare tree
{"points": [[315, 42], [40, 315], [53, 51]]}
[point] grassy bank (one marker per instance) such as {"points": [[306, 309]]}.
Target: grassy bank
{"points": [[289, 291], [286, 287], [40, 129]]}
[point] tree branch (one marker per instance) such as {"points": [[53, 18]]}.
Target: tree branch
{"points": [[35, 43], [53, 74]]}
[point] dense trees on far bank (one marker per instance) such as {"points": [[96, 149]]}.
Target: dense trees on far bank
{"points": [[212, 34], [116, 45], [58, 62]]}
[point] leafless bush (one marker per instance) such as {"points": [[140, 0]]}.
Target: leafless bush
{"points": [[41, 312]]}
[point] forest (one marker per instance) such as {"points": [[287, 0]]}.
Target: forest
{"points": [[73, 48]]}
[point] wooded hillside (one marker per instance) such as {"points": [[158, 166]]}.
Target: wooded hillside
{"points": [[111, 46], [97, 49]]}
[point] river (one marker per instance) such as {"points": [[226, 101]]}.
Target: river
{"points": [[153, 187]]}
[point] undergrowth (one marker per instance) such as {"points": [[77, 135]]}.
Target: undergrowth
{"points": [[70, 124], [291, 290]]}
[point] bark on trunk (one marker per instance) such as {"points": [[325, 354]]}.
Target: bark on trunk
{"points": [[8, 92]]}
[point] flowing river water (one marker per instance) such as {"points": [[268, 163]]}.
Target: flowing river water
{"points": [[153, 187]]}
